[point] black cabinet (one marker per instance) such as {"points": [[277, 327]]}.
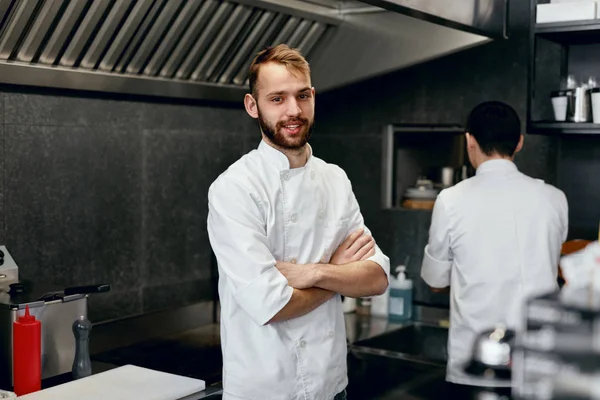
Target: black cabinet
{"points": [[418, 151], [557, 50]]}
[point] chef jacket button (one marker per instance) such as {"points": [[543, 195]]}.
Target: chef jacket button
{"points": [[294, 218], [312, 175], [302, 343], [323, 260], [286, 177], [330, 333], [321, 214], [293, 261]]}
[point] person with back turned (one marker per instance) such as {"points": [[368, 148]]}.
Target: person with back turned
{"points": [[494, 240]]}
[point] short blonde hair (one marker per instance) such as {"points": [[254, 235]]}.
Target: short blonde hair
{"points": [[282, 54]]}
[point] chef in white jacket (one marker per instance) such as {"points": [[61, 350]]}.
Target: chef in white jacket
{"points": [[495, 238], [289, 239]]}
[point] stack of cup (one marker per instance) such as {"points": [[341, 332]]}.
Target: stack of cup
{"points": [[595, 93], [559, 104]]}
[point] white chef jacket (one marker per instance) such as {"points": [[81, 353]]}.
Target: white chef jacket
{"points": [[495, 239], [261, 211]]}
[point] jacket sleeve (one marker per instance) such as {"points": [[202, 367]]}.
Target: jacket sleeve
{"points": [[437, 261], [237, 234]]}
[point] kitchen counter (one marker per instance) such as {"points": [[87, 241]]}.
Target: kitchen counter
{"points": [[415, 369]]}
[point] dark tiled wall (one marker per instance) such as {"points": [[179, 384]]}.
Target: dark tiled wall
{"points": [[104, 190], [350, 122]]}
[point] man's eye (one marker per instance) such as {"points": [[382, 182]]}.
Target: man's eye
{"points": [[276, 99]]}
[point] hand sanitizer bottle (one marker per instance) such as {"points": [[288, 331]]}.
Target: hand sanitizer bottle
{"points": [[401, 296]]}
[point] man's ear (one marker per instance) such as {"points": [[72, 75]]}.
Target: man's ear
{"points": [[471, 142], [520, 144], [251, 105]]}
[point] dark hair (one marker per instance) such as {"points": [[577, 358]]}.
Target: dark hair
{"points": [[496, 127]]}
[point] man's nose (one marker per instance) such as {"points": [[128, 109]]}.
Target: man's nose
{"points": [[293, 108]]}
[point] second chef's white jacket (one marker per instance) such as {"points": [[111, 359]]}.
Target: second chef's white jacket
{"points": [[495, 239]]}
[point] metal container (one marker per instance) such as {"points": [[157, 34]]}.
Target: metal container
{"points": [[56, 317], [579, 104], [56, 309]]}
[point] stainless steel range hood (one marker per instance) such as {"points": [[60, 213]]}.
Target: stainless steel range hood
{"points": [[201, 49]]}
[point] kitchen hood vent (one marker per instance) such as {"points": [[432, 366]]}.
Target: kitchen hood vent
{"points": [[201, 49], [181, 48]]}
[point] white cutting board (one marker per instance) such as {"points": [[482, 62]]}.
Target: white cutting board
{"points": [[128, 382]]}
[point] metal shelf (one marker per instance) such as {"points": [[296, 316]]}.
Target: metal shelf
{"points": [[571, 32], [551, 127]]}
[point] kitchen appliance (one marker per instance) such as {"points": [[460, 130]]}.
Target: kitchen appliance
{"points": [[55, 309], [557, 351], [491, 357], [421, 196]]}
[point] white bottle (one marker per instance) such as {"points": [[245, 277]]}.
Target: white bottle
{"points": [[401, 296], [380, 304], [348, 305]]}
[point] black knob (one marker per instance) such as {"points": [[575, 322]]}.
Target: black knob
{"points": [[16, 288], [1, 254]]}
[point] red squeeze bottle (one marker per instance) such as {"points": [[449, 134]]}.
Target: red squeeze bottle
{"points": [[27, 354]]}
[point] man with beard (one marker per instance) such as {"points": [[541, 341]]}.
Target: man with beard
{"points": [[290, 240]]}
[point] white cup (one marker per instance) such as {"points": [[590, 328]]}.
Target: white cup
{"points": [[447, 176], [595, 92], [559, 105]]}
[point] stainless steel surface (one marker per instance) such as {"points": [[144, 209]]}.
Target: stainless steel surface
{"points": [[579, 107], [19, 14], [58, 342], [484, 17], [375, 43], [55, 77], [140, 36], [265, 21], [9, 271], [218, 48], [151, 35], [129, 331], [208, 394], [190, 37], [387, 167], [107, 29], [171, 48], [202, 49], [40, 26], [190, 9], [83, 32], [124, 36], [417, 342]]}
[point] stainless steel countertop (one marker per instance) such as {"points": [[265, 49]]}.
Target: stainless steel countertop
{"points": [[204, 342]]}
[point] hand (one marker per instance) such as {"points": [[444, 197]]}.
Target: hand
{"points": [[356, 247], [299, 276]]}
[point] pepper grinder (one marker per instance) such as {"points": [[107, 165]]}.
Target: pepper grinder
{"points": [[82, 365]]}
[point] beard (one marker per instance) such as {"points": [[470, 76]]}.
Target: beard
{"points": [[278, 138]]}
